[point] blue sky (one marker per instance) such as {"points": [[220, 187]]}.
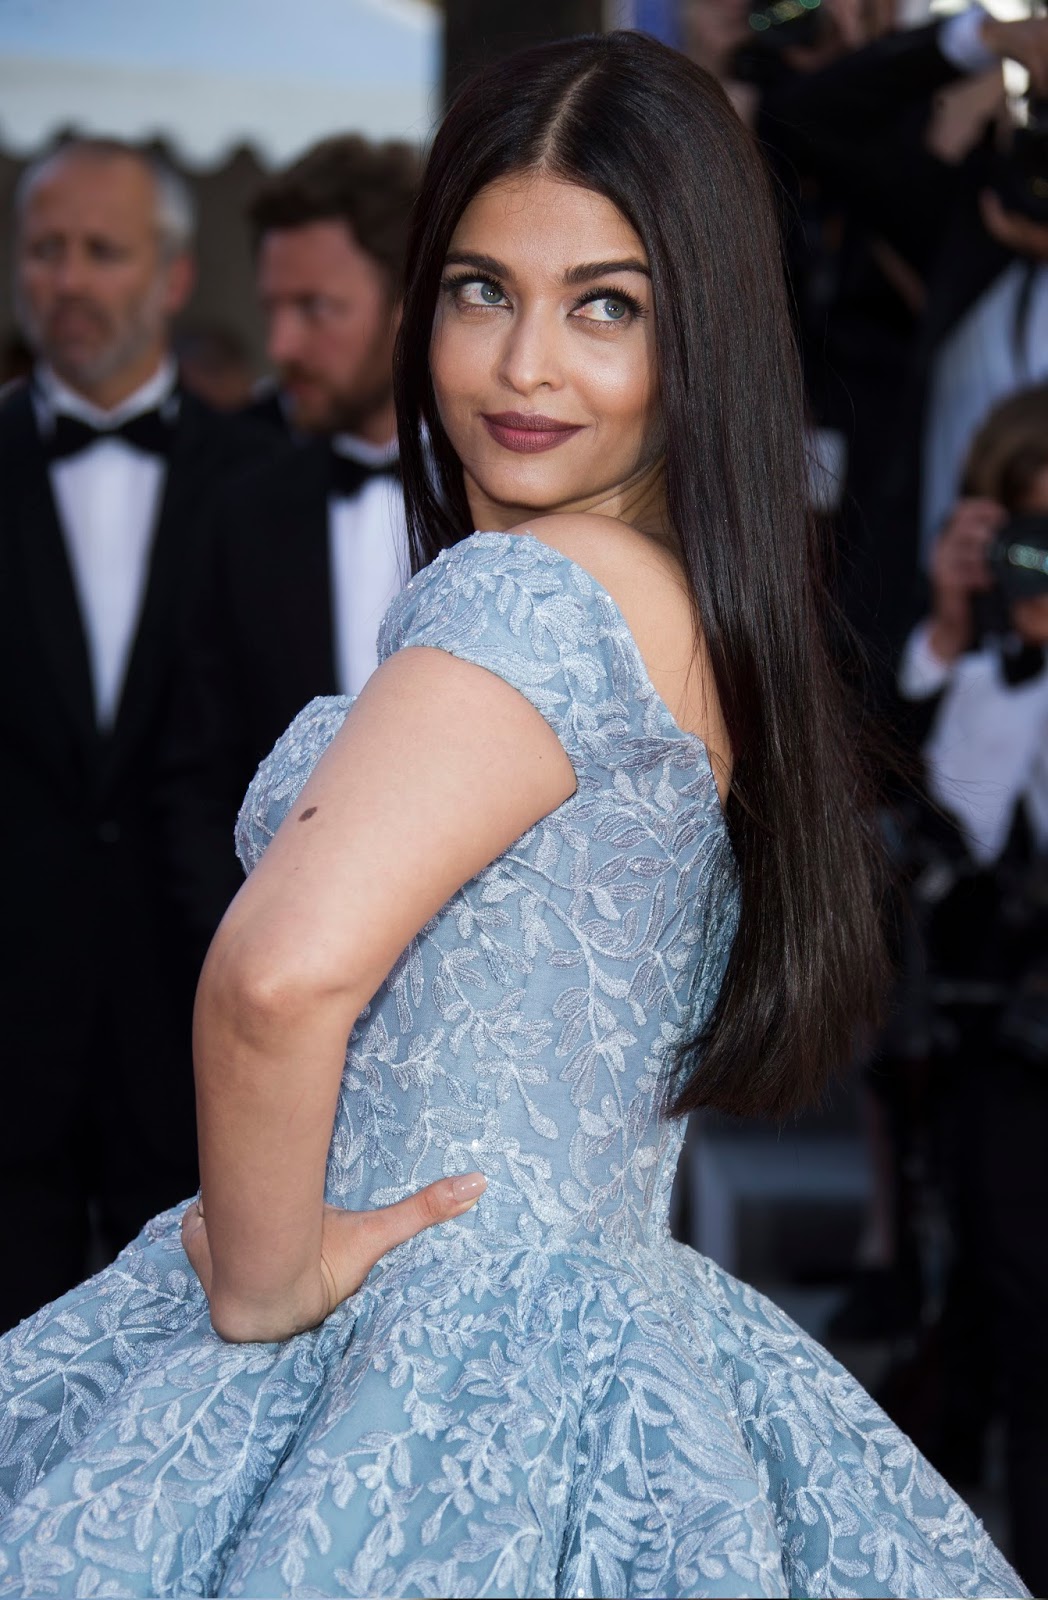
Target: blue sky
{"points": [[321, 40]]}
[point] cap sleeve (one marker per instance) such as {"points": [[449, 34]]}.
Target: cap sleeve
{"points": [[282, 775], [513, 605]]}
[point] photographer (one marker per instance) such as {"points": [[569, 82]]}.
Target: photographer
{"points": [[976, 663], [975, 671], [958, 237]]}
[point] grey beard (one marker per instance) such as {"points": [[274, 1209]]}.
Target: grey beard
{"points": [[123, 349]]}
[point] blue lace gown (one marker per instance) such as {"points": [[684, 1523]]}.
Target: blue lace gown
{"points": [[549, 1396]]}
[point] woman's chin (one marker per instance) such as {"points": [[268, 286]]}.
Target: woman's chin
{"points": [[503, 504]]}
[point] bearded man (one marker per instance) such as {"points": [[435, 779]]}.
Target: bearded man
{"points": [[309, 549], [105, 467]]}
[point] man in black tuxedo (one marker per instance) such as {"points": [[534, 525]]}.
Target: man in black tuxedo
{"points": [[310, 549], [105, 468]]}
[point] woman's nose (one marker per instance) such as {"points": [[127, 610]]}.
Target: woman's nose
{"points": [[530, 358]]}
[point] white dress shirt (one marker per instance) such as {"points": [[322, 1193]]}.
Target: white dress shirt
{"points": [[988, 748], [960, 41], [108, 498], [368, 554]]}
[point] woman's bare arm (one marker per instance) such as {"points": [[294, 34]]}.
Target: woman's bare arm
{"points": [[439, 767]]}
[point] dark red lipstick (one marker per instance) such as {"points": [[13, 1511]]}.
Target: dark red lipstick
{"points": [[527, 432]]}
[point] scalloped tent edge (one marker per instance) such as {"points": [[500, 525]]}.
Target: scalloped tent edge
{"points": [[206, 81], [202, 119]]}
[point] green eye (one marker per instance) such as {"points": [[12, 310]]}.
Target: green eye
{"points": [[490, 293]]}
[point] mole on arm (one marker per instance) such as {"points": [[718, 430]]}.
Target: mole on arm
{"points": [[310, 811]]}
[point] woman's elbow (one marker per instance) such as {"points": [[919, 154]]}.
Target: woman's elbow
{"points": [[260, 986]]}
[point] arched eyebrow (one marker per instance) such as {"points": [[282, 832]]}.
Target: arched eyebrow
{"points": [[469, 258], [585, 272], [588, 270]]}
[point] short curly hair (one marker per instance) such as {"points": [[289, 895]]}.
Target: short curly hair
{"points": [[371, 188]]}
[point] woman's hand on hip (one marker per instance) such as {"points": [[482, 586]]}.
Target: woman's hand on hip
{"points": [[351, 1243]]}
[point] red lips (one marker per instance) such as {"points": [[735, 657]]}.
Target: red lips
{"points": [[528, 432]]}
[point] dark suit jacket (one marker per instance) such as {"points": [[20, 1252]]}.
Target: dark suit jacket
{"points": [[260, 644], [92, 939], [265, 410]]}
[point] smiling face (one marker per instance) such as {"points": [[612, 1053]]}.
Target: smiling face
{"points": [[543, 356]]}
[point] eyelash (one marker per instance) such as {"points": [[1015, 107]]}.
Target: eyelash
{"points": [[460, 279]]}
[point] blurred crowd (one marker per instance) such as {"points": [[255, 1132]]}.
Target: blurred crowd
{"points": [[187, 557]]}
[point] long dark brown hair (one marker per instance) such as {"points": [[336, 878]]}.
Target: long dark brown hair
{"points": [[634, 121]]}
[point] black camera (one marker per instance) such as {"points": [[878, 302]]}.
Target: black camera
{"points": [[1021, 179], [1018, 558]]}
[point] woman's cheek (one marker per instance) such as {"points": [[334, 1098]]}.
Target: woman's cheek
{"points": [[623, 388], [457, 367]]}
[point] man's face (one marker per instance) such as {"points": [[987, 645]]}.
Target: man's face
{"points": [[94, 290], [331, 324]]}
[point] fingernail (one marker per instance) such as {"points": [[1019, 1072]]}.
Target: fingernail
{"points": [[469, 1186]]}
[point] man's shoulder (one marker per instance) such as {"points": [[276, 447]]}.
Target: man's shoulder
{"points": [[220, 436], [283, 493], [283, 469], [265, 410]]}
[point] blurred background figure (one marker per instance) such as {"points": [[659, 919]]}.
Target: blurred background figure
{"points": [[975, 671], [714, 33], [105, 467], [311, 548], [214, 364], [927, 306]]}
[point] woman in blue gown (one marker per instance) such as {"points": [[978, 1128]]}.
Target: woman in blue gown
{"points": [[587, 852]]}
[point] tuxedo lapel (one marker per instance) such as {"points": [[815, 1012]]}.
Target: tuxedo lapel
{"points": [[172, 557], [50, 591]]}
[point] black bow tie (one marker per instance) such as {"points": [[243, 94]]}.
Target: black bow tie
{"points": [[1022, 663], [149, 431], [347, 476]]}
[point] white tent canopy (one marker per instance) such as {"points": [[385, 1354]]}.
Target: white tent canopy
{"points": [[207, 75]]}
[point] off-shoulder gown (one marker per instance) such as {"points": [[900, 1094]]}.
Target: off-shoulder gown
{"points": [[549, 1396]]}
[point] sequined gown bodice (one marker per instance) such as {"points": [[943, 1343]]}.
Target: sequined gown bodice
{"points": [[549, 1396]]}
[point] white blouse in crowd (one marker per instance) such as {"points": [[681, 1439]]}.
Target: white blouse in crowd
{"points": [[368, 556], [993, 351], [108, 500], [988, 748]]}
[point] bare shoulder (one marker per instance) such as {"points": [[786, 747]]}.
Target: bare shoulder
{"points": [[631, 566], [651, 589]]}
